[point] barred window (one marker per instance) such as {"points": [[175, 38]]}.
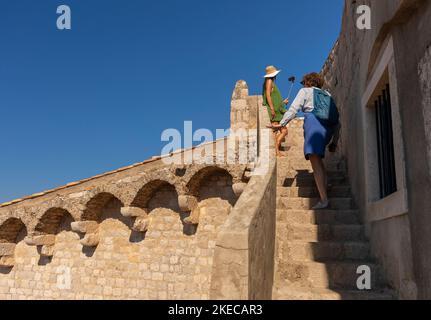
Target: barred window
{"points": [[385, 144]]}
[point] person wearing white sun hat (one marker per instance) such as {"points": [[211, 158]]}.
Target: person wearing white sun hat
{"points": [[271, 72], [275, 104]]}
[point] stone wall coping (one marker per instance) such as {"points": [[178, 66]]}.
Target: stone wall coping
{"points": [[235, 232], [239, 269]]}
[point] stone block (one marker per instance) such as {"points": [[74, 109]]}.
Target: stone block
{"points": [[7, 249], [134, 212], [187, 203], [85, 226], [240, 91], [42, 240], [90, 240], [141, 224], [240, 104], [7, 261], [47, 251], [193, 219], [238, 188]]}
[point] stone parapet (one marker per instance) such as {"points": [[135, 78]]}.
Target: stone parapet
{"points": [[243, 266]]}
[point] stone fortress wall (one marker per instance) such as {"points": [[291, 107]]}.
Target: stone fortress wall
{"points": [[148, 252], [395, 52], [148, 231]]}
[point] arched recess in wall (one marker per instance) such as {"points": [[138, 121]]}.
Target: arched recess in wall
{"points": [[160, 197], [103, 206], [12, 231], [54, 221], [157, 194], [212, 182]]}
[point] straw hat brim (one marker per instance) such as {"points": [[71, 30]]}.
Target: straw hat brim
{"points": [[272, 75]]}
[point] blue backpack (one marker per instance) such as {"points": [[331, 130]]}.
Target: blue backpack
{"points": [[325, 108]]}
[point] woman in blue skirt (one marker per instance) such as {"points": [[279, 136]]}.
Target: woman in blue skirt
{"points": [[317, 133]]}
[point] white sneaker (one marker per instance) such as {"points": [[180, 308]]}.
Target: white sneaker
{"points": [[321, 205]]}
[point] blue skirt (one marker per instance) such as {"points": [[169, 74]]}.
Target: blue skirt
{"points": [[316, 136]]}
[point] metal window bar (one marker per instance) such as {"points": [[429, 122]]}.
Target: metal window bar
{"points": [[379, 146], [392, 169], [385, 144]]}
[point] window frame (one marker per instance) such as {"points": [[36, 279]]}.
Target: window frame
{"points": [[395, 204]]}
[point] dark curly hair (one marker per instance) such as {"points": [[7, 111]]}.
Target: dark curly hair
{"points": [[313, 79]]}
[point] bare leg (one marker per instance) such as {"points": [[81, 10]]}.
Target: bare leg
{"points": [[320, 176], [277, 134], [280, 139]]}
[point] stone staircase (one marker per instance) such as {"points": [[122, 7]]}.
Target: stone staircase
{"points": [[318, 252]]}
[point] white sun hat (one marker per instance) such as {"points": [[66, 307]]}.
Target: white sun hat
{"points": [[271, 72]]}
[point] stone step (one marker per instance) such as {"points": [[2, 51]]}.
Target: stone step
{"points": [[324, 251], [329, 275], [311, 192], [294, 155], [286, 203], [286, 293], [321, 232], [307, 174], [308, 181], [306, 165], [294, 150], [294, 147], [295, 135], [318, 216], [294, 139]]}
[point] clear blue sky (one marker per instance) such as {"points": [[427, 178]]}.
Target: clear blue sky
{"points": [[77, 103]]}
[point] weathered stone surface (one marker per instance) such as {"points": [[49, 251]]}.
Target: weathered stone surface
{"points": [[240, 91], [318, 252], [41, 240], [47, 251], [248, 174], [134, 212], [187, 203], [238, 188], [85, 226], [327, 294], [141, 224], [7, 261], [7, 249], [193, 219], [90, 240], [394, 52], [247, 238]]}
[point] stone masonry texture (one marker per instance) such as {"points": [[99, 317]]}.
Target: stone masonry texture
{"points": [[78, 242]]}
